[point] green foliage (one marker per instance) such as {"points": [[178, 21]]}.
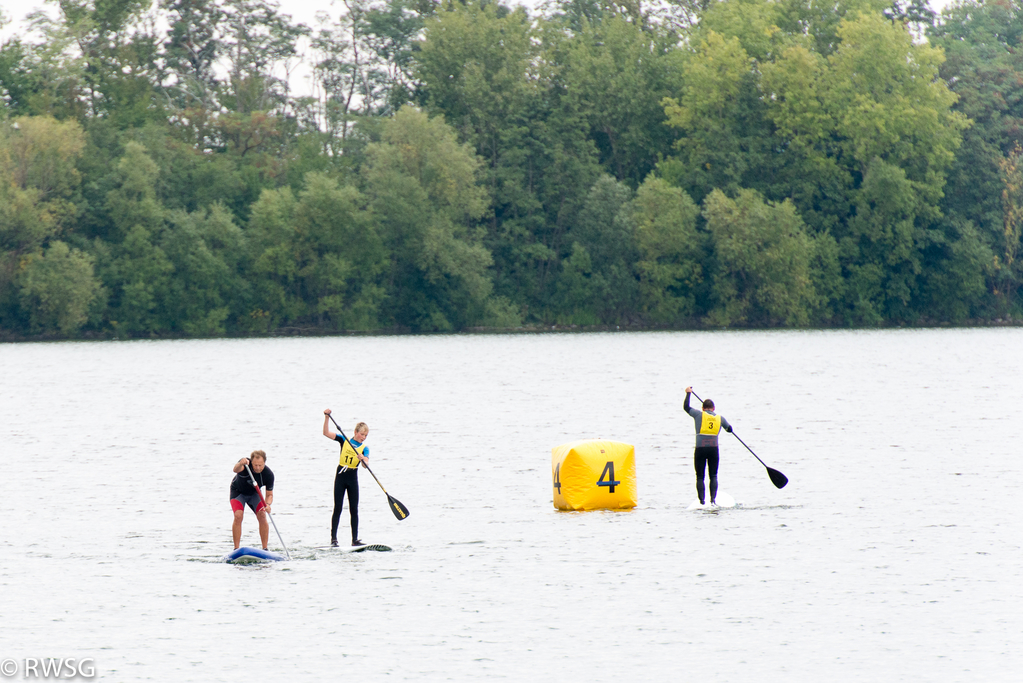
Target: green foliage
{"points": [[720, 112], [58, 287], [204, 249], [888, 102], [483, 67], [316, 259], [984, 67], [38, 183], [424, 193], [598, 276], [469, 164], [763, 253], [882, 249], [617, 74], [670, 251]]}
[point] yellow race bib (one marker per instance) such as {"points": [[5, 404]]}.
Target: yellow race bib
{"points": [[349, 458], [710, 425]]}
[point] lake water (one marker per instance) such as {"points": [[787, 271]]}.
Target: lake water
{"points": [[893, 554]]}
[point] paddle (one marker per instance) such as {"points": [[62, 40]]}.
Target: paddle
{"points": [[399, 510], [777, 478], [253, 478]]}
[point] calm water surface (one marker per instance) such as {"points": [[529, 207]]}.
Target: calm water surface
{"points": [[894, 553]]}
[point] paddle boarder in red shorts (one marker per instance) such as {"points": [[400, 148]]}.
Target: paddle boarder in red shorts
{"points": [[244, 493]]}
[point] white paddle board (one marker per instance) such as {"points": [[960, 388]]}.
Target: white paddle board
{"points": [[723, 501]]}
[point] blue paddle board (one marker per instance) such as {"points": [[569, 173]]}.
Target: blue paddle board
{"points": [[253, 555]]}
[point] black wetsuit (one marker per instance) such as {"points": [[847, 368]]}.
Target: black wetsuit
{"points": [[346, 481], [705, 455], [241, 485]]}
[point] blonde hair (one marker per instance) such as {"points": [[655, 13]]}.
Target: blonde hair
{"points": [[257, 454], [359, 427]]}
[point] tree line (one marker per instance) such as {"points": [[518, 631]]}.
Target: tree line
{"points": [[465, 164]]}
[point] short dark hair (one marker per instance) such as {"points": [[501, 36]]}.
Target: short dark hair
{"points": [[708, 405]]}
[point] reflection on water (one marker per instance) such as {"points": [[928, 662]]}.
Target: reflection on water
{"points": [[894, 551]]}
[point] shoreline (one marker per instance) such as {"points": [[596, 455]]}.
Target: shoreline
{"points": [[298, 331]]}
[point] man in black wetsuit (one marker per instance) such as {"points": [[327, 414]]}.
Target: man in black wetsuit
{"points": [[244, 493], [708, 425], [347, 478]]}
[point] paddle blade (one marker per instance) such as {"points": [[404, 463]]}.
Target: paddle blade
{"points": [[399, 510], [777, 478]]}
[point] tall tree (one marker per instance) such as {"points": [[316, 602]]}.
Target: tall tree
{"points": [[720, 111], [763, 255], [618, 73], [598, 277], [983, 45], [482, 66], [192, 49], [670, 263], [425, 194], [38, 188]]}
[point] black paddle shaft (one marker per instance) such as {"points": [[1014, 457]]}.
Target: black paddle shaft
{"points": [[399, 510], [777, 478]]}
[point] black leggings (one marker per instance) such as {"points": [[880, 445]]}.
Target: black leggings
{"points": [[346, 480], [702, 457]]}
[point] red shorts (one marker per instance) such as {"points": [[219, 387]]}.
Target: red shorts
{"points": [[252, 500]]}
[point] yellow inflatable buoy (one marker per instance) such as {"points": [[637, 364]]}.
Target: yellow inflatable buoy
{"points": [[594, 475]]}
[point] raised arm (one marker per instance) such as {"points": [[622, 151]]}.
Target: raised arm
{"points": [[239, 466], [326, 426], [689, 392]]}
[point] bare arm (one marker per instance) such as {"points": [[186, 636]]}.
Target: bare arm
{"points": [[326, 426], [239, 466]]}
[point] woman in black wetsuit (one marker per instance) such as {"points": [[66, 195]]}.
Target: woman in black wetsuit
{"points": [[347, 478]]}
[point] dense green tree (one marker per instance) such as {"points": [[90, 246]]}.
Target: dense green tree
{"points": [[317, 259], [982, 43], [721, 114], [819, 22], [618, 72], [119, 57], [763, 254], [38, 188], [1007, 263], [205, 249], [750, 162], [58, 287], [426, 198], [670, 263], [191, 50], [481, 66], [598, 277]]}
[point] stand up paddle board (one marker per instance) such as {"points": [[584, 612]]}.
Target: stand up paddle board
{"points": [[253, 555], [356, 548], [723, 501]]}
